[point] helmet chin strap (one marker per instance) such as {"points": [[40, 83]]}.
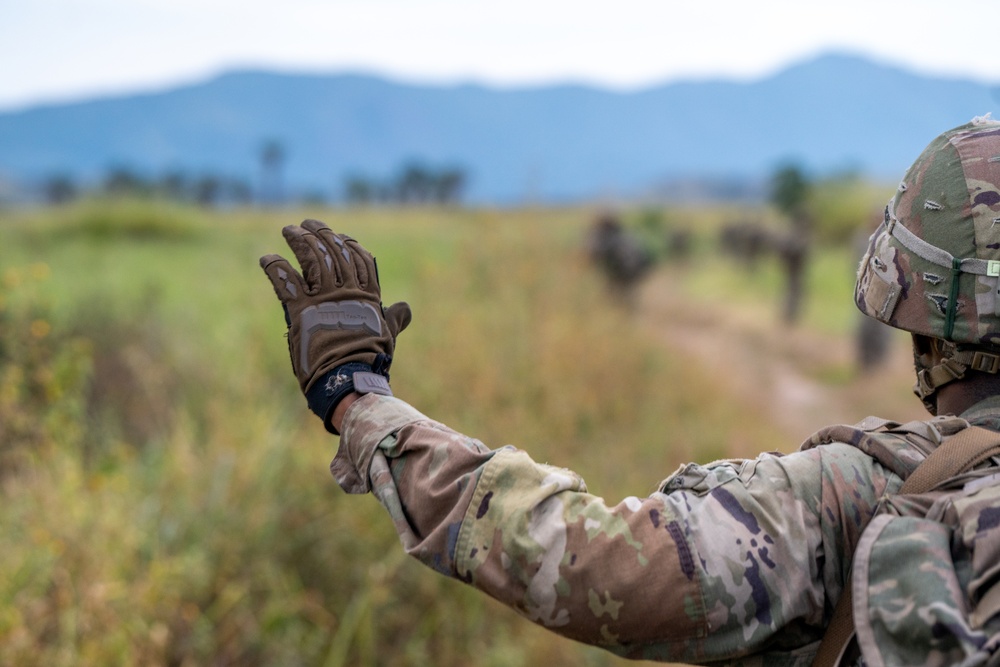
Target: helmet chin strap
{"points": [[952, 362]]}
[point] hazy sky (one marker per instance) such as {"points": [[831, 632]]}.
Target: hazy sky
{"points": [[56, 50]]}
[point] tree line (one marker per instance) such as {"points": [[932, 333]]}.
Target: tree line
{"points": [[413, 183], [204, 190]]}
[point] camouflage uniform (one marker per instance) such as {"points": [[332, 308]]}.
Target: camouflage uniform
{"points": [[739, 561]]}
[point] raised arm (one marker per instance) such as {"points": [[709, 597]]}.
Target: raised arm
{"points": [[734, 559]]}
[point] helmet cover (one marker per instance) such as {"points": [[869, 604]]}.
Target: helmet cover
{"points": [[933, 265]]}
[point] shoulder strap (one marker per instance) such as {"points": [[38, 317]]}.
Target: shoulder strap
{"points": [[959, 453]]}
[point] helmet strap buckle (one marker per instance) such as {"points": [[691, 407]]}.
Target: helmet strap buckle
{"points": [[985, 362], [930, 379]]}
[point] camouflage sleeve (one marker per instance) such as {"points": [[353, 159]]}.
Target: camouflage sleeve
{"points": [[734, 561]]}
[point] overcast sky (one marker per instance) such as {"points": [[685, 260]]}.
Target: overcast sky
{"points": [[58, 50]]}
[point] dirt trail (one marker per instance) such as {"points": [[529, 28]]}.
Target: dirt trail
{"points": [[802, 379]]}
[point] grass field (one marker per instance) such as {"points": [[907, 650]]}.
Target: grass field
{"points": [[165, 493]]}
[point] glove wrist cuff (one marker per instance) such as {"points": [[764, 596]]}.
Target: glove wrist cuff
{"points": [[331, 387]]}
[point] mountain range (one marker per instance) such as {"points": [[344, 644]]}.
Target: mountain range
{"points": [[832, 113]]}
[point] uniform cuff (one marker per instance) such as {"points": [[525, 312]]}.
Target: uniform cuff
{"points": [[369, 420]]}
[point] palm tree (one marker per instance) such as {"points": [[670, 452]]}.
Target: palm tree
{"points": [[272, 163]]}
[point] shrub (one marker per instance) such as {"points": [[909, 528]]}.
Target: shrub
{"points": [[129, 219], [42, 372], [845, 205]]}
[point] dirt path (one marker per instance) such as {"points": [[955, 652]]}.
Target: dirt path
{"points": [[800, 378]]}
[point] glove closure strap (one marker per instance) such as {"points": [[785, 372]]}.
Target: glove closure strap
{"points": [[330, 388]]}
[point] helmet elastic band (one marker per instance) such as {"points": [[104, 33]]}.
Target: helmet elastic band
{"points": [[944, 259]]}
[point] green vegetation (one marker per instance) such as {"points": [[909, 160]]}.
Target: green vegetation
{"points": [[845, 204], [164, 492]]}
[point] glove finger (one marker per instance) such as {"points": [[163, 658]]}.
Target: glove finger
{"points": [[397, 317], [336, 255], [315, 226], [364, 265], [313, 256], [287, 282], [350, 263]]}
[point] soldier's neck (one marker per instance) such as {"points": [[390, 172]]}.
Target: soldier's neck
{"points": [[956, 397]]}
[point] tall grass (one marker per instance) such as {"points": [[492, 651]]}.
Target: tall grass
{"points": [[170, 503]]}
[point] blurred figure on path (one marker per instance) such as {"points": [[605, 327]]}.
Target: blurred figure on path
{"points": [[619, 254]]}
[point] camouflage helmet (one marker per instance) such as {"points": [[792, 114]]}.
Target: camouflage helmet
{"points": [[933, 265]]}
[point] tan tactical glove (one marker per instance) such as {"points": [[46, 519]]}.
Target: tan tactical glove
{"points": [[339, 336]]}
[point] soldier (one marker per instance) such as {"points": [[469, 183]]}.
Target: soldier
{"points": [[735, 561], [792, 249], [620, 255]]}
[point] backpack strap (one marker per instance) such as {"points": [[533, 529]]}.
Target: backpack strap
{"points": [[959, 453]]}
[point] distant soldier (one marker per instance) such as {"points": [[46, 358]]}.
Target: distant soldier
{"points": [[792, 249], [620, 255], [739, 561], [678, 244], [750, 241], [745, 240], [790, 191]]}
